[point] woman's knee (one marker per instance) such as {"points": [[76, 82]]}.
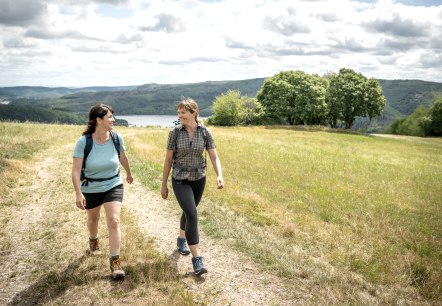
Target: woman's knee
{"points": [[191, 217], [113, 222]]}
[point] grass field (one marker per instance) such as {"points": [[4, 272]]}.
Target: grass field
{"points": [[337, 210], [313, 204], [43, 244]]}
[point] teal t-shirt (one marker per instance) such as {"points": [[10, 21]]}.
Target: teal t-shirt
{"points": [[102, 162]]}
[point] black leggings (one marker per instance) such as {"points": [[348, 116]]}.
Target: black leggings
{"points": [[188, 195]]}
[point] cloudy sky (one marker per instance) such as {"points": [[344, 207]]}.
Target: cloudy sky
{"points": [[80, 43]]}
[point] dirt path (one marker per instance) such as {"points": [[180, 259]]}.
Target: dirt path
{"points": [[21, 229], [232, 279]]}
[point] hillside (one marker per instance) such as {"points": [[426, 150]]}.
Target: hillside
{"points": [[23, 113], [39, 92], [403, 97], [145, 99]]}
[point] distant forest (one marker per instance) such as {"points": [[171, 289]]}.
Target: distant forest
{"points": [[70, 105]]}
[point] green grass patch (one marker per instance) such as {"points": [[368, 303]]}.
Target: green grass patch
{"points": [[365, 204]]}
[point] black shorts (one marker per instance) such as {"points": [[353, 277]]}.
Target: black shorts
{"points": [[112, 195]]}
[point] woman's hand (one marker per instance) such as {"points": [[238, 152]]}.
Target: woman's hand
{"points": [[220, 182], [129, 179], [80, 202], [164, 192]]}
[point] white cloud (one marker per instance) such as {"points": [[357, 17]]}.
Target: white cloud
{"points": [[133, 42]]}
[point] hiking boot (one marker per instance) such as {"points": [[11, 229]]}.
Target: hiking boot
{"points": [[94, 247], [181, 243], [198, 266], [117, 272]]}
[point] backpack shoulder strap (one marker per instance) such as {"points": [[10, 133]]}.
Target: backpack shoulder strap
{"points": [[176, 130], [116, 141], [204, 129], [87, 149]]}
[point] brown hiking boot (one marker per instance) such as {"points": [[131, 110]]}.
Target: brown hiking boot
{"points": [[117, 272], [94, 247]]}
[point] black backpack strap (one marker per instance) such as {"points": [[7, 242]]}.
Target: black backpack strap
{"points": [[116, 141], [176, 130], [204, 129], [87, 149]]}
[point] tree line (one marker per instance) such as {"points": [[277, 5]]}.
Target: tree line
{"points": [[298, 98], [423, 122], [22, 113]]}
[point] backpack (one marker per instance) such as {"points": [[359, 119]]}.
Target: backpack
{"points": [[87, 150], [174, 141]]}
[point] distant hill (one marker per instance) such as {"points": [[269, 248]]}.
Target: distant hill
{"points": [[403, 97], [149, 99], [22, 113], [39, 92]]}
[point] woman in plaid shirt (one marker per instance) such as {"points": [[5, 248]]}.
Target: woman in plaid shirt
{"points": [[185, 148]]}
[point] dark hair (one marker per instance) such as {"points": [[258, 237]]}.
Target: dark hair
{"points": [[190, 105], [97, 111]]}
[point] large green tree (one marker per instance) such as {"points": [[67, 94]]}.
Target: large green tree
{"points": [[350, 95], [294, 96]]}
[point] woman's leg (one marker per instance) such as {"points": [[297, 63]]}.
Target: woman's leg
{"points": [[188, 194], [184, 195], [93, 217], [113, 210], [198, 190]]}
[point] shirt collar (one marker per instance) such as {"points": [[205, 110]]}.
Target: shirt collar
{"points": [[199, 124]]}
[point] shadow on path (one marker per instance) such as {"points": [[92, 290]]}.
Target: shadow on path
{"points": [[51, 285], [83, 272]]}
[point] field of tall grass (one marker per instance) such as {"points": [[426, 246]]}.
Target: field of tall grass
{"points": [[43, 237], [322, 206], [337, 211]]}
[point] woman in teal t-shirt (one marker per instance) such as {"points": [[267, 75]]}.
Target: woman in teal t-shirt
{"points": [[102, 184]]}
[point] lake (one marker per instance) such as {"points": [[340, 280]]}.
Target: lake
{"points": [[149, 120]]}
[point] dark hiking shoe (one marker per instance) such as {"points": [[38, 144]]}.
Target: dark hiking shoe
{"points": [[181, 244], [198, 266], [115, 266], [94, 247]]}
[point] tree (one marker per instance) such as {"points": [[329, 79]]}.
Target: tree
{"points": [[251, 111], [412, 125], [432, 123], [351, 94], [335, 105], [231, 108], [274, 95], [226, 109], [375, 102], [294, 96]]}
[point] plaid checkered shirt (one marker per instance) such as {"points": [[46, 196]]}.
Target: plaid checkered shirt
{"points": [[189, 162]]}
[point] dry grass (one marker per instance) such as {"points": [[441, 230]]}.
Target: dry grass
{"points": [[351, 218], [358, 216], [44, 236]]}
